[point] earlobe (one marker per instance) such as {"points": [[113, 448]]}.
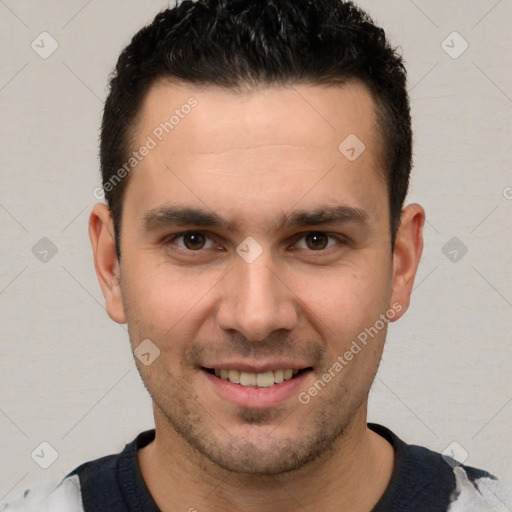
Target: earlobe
{"points": [[101, 234], [406, 254]]}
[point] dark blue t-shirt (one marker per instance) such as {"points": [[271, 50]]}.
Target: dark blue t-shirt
{"points": [[422, 480]]}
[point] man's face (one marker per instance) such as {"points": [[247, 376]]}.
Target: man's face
{"points": [[294, 296]]}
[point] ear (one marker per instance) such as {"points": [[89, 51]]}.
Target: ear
{"points": [[101, 233], [406, 255]]}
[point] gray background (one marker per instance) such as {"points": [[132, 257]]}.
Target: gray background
{"points": [[67, 374]]}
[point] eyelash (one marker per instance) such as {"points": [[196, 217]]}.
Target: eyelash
{"points": [[340, 240]]}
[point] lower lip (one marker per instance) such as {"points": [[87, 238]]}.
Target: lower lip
{"points": [[257, 398]]}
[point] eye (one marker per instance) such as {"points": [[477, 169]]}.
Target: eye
{"points": [[193, 241], [316, 241]]}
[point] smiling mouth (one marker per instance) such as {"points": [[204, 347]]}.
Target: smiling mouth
{"points": [[257, 380]]}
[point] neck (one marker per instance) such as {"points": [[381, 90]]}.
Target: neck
{"points": [[351, 477]]}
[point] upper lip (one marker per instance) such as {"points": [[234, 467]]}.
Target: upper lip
{"points": [[258, 367]]}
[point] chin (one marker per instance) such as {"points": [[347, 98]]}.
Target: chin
{"points": [[251, 458], [265, 453]]}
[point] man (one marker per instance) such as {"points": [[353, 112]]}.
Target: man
{"points": [[255, 157]]}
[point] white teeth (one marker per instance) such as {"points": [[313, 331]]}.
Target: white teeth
{"points": [[234, 376], [265, 380], [260, 380], [278, 376], [247, 379]]}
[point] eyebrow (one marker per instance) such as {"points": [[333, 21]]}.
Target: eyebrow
{"points": [[169, 216]]}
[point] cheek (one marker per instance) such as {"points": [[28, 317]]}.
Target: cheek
{"points": [[351, 309], [347, 301], [164, 303]]}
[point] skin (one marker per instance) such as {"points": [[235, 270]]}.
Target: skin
{"points": [[253, 158]]}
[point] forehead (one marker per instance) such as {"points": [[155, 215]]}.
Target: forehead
{"points": [[273, 145], [269, 114]]}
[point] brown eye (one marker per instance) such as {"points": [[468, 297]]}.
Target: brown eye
{"points": [[316, 241], [194, 241], [189, 242]]}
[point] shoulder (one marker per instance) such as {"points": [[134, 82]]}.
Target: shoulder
{"points": [[427, 481], [484, 493], [95, 485], [56, 497], [473, 489], [96, 478]]}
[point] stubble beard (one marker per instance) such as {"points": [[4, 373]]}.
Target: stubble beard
{"points": [[263, 452]]}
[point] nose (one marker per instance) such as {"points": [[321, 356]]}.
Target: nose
{"points": [[256, 300]]}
